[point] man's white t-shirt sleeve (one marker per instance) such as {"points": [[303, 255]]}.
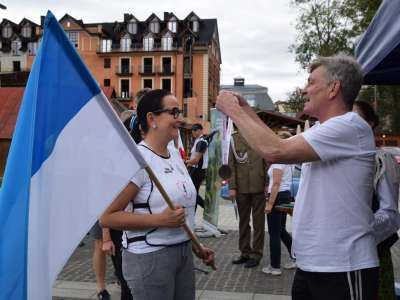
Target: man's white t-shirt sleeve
{"points": [[333, 139]]}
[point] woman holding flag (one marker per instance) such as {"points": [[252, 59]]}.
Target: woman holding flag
{"points": [[157, 260]]}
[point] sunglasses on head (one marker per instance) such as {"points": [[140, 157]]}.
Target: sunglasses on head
{"points": [[176, 112]]}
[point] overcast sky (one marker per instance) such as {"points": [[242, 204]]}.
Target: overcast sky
{"points": [[254, 34]]}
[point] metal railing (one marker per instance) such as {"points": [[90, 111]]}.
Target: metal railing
{"points": [[124, 69]]}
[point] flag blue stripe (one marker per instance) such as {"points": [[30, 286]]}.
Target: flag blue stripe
{"points": [[14, 199], [58, 102], [57, 89]]}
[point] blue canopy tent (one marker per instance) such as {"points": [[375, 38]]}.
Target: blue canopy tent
{"points": [[378, 50]]}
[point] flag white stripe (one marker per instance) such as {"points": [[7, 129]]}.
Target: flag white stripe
{"points": [[79, 179]]}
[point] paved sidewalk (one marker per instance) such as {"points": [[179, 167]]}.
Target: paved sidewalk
{"points": [[229, 282]]}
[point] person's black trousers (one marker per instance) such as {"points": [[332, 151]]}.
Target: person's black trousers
{"points": [[277, 230], [354, 285], [116, 237], [198, 176]]}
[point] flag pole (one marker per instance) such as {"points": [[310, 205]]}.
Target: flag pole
{"points": [[196, 243]]}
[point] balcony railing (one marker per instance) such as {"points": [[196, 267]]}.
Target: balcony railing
{"points": [[166, 69], [147, 70], [124, 70], [157, 46], [124, 96]]}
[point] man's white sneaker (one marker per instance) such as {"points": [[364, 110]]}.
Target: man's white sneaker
{"points": [[271, 271], [290, 265]]}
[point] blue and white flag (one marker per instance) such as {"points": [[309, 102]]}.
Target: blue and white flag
{"points": [[70, 157]]}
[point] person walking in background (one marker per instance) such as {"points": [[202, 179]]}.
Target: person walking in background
{"points": [[280, 179], [198, 161], [247, 185], [384, 205]]}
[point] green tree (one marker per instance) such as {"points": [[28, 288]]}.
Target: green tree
{"points": [[295, 102], [327, 27], [322, 30]]}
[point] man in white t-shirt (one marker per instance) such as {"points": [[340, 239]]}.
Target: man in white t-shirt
{"points": [[333, 239]]}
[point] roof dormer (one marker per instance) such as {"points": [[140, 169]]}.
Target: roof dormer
{"points": [[173, 24], [154, 23], [132, 25], [7, 31], [26, 30], [193, 21]]}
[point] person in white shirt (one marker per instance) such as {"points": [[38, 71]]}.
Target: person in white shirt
{"points": [[157, 261], [280, 179], [333, 236]]}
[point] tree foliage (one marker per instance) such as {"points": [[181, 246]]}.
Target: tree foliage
{"points": [[327, 27], [295, 102]]}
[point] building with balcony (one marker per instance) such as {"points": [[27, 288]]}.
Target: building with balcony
{"points": [[179, 55], [18, 47]]}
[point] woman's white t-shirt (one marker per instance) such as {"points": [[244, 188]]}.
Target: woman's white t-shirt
{"points": [[286, 179], [175, 179]]}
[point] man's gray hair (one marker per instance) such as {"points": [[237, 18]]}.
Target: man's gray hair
{"points": [[346, 70]]}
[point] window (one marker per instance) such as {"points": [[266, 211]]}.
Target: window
{"points": [[32, 48], [187, 86], [166, 84], [7, 31], [187, 66], [148, 83], [195, 25], [125, 66], [147, 65], [166, 65], [107, 63], [154, 26], [15, 46], [172, 25], [148, 43], [105, 45], [126, 43], [73, 37], [132, 27], [107, 82], [125, 88], [16, 66], [166, 43], [26, 31]]}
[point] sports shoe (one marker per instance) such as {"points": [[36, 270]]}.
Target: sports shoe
{"points": [[272, 271], [290, 265], [103, 295]]}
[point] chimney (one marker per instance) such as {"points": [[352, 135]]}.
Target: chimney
{"points": [[42, 21], [126, 17], [166, 15], [238, 81], [99, 28]]}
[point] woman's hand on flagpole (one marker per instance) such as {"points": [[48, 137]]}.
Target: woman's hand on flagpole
{"points": [[207, 255], [173, 218]]}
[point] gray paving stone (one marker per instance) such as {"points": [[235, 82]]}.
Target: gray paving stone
{"points": [[216, 295]]}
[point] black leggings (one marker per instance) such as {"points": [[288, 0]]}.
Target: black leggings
{"points": [[116, 237], [277, 230]]}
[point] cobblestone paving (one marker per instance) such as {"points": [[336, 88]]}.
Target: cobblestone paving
{"points": [[228, 277]]}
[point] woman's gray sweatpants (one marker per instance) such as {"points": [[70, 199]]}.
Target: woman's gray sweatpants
{"points": [[166, 274]]}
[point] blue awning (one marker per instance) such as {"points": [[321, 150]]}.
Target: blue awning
{"points": [[378, 50]]}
